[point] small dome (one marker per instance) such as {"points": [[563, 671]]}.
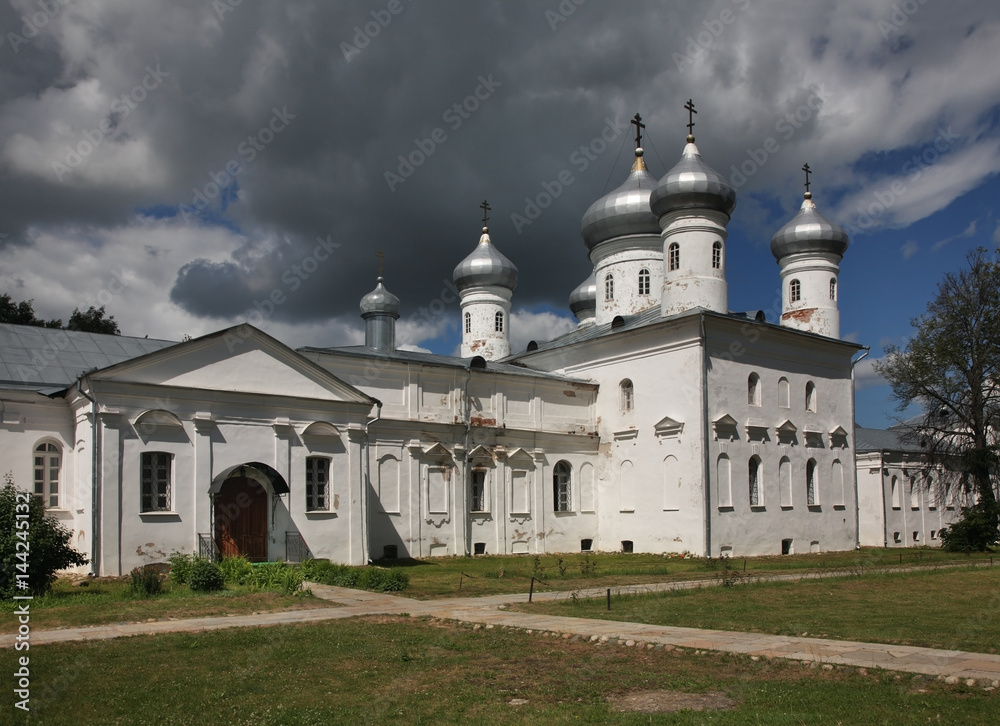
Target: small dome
{"points": [[584, 297], [624, 210], [380, 301], [692, 184], [809, 231], [485, 266]]}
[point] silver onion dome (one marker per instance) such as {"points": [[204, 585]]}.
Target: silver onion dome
{"points": [[809, 231], [692, 184], [485, 266], [380, 301], [623, 211], [584, 297]]}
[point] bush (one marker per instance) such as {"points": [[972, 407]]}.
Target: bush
{"points": [[180, 567], [205, 576], [36, 545], [145, 581], [376, 579], [975, 531], [236, 570]]}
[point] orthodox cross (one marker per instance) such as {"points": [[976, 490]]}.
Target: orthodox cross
{"points": [[806, 169], [691, 112], [381, 256], [485, 206], [639, 126]]}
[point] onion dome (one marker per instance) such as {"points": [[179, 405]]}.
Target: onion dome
{"points": [[623, 211], [809, 231], [692, 184], [584, 298], [485, 266], [380, 302]]}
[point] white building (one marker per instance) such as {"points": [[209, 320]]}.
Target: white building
{"points": [[663, 423]]}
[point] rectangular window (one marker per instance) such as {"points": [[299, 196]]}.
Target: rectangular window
{"points": [[317, 484], [156, 467], [478, 499]]}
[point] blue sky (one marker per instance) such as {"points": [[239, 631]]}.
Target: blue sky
{"points": [[219, 156]]}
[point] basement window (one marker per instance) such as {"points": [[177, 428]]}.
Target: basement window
{"points": [[586, 545], [626, 545]]}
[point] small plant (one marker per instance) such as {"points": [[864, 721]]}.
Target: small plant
{"points": [[537, 569], [144, 582], [180, 567], [730, 576], [236, 570], [205, 576], [561, 566], [587, 566], [501, 573]]}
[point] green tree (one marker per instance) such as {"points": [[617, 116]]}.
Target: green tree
{"points": [[93, 321], [23, 313], [39, 548], [951, 369]]}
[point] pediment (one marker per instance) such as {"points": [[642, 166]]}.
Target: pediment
{"points": [[240, 359], [786, 428], [725, 421], [667, 427], [519, 453], [436, 449], [157, 418], [321, 428], [481, 452]]}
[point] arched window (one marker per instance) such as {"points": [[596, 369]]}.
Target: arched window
{"points": [[609, 287], [783, 393], [643, 281], [785, 481], [753, 390], [811, 397], [794, 291], [468, 322], [914, 493], [673, 256], [724, 472], [756, 499], [47, 462], [837, 483], [561, 487], [812, 491], [498, 322], [894, 492], [628, 395], [833, 288], [717, 255], [477, 500]]}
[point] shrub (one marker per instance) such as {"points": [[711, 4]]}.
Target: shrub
{"points": [[205, 576], [236, 570], [377, 579], [975, 531], [145, 581], [44, 544], [180, 567]]}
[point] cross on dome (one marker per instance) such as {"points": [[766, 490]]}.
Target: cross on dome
{"points": [[639, 126], [485, 206], [381, 256], [806, 169], [690, 124]]}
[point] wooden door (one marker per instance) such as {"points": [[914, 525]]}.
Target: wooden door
{"points": [[241, 519]]}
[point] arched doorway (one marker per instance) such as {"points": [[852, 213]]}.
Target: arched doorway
{"points": [[241, 519]]}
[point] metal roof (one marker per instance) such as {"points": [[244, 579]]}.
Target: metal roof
{"points": [[892, 439], [44, 359]]}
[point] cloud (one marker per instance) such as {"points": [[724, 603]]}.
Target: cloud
{"points": [[526, 326], [865, 375], [969, 231], [909, 249]]}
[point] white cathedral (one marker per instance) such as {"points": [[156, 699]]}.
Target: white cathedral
{"points": [[663, 423]]}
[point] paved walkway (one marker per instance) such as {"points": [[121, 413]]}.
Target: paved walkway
{"points": [[953, 665]]}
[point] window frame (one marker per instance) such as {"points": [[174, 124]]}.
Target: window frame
{"points": [[627, 397], [753, 389], [150, 491], [644, 281], [811, 397], [478, 482], [673, 257], [716, 255], [562, 486], [609, 287], [498, 322], [468, 322], [812, 483], [45, 488], [317, 501], [794, 290], [833, 289], [753, 481]]}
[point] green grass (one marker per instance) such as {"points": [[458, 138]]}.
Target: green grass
{"points": [[399, 671], [107, 601], [951, 609], [497, 575]]}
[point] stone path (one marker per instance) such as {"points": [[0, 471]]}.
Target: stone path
{"points": [[952, 665]]}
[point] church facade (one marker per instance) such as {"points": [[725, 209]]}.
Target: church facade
{"points": [[663, 423]]}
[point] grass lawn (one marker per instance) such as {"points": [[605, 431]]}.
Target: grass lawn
{"points": [[106, 601], [951, 609], [497, 575], [397, 670]]}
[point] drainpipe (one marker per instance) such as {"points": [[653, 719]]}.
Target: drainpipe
{"points": [[707, 434], [95, 483], [467, 526], [367, 539], [854, 457], [885, 513]]}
